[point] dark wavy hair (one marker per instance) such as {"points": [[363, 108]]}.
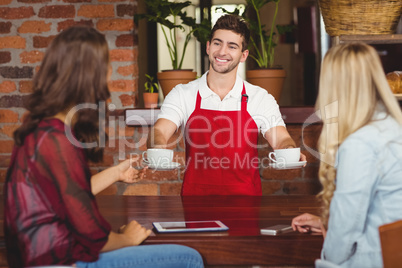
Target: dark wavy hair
{"points": [[74, 71], [235, 24]]}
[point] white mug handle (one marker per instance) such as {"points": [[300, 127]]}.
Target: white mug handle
{"points": [[270, 156], [143, 157]]}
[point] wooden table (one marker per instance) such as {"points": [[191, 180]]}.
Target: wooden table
{"points": [[242, 245]]}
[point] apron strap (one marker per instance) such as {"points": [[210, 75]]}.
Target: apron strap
{"points": [[244, 99]]}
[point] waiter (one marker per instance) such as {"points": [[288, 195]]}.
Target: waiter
{"points": [[222, 115]]}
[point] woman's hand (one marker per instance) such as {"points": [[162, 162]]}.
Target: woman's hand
{"points": [[128, 174], [134, 232], [307, 223]]}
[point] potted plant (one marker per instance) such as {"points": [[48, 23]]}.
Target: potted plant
{"points": [[150, 94], [172, 17], [262, 47]]}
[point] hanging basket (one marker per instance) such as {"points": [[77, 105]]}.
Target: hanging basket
{"points": [[354, 17]]}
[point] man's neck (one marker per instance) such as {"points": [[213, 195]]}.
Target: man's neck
{"points": [[221, 84]]}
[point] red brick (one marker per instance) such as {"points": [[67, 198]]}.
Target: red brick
{"points": [[34, 1], [126, 10], [5, 2], [270, 187], [311, 171], [287, 174], [128, 70], [170, 189], [8, 129], [8, 116], [6, 146], [127, 100], [3, 173], [76, 1], [116, 1], [16, 72], [16, 13], [96, 11], [4, 160], [115, 25], [180, 157], [5, 27], [311, 134], [125, 40], [31, 56], [5, 57], [141, 189], [56, 12], [160, 175], [301, 188], [9, 101], [12, 42], [7, 87], [111, 190], [26, 86], [123, 55], [34, 27], [42, 41], [122, 86], [68, 23]]}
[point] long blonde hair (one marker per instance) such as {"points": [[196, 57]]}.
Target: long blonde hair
{"points": [[352, 83]]}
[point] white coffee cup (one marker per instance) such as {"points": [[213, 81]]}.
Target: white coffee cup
{"points": [[158, 157], [290, 155]]}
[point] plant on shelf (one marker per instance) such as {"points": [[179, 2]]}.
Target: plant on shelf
{"points": [[150, 85], [262, 47], [150, 94], [172, 17], [262, 41]]}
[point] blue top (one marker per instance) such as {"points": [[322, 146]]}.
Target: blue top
{"points": [[368, 193]]}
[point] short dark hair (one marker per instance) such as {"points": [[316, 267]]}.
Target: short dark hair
{"points": [[235, 24]]}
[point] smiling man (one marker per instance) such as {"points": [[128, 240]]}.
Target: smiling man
{"points": [[222, 115]]}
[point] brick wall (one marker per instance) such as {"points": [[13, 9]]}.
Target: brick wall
{"points": [[26, 29]]}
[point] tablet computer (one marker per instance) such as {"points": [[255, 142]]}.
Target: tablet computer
{"points": [[189, 226]]}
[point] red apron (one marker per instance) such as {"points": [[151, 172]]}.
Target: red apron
{"points": [[221, 152]]}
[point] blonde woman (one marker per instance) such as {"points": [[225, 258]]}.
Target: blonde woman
{"points": [[361, 163]]}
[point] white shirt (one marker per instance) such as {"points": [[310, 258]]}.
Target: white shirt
{"points": [[179, 104]]}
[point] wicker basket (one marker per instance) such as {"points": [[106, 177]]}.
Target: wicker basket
{"points": [[347, 17]]}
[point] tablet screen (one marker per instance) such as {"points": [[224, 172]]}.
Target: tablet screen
{"points": [[190, 226]]}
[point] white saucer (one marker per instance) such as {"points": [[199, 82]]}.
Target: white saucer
{"points": [[166, 166], [292, 165]]}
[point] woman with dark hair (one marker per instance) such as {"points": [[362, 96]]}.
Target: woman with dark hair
{"points": [[51, 216]]}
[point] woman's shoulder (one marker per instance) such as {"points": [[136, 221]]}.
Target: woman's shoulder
{"points": [[53, 132], [377, 133]]}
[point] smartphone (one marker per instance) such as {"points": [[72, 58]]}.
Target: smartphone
{"points": [[276, 229]]}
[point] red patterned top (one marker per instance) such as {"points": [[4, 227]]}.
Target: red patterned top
{"points": [[51, 216]]}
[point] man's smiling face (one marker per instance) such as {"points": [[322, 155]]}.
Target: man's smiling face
{"points": [[225, 51]]}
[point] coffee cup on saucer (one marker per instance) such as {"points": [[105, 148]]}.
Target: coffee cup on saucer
{"points": [[159, 158], [286, 158]]}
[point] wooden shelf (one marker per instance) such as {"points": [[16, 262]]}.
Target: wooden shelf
{"points": [[369, 39]]}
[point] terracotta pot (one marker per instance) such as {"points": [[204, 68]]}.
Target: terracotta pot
{"points": [[269, 79], [150, 100], [168, 79]]}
